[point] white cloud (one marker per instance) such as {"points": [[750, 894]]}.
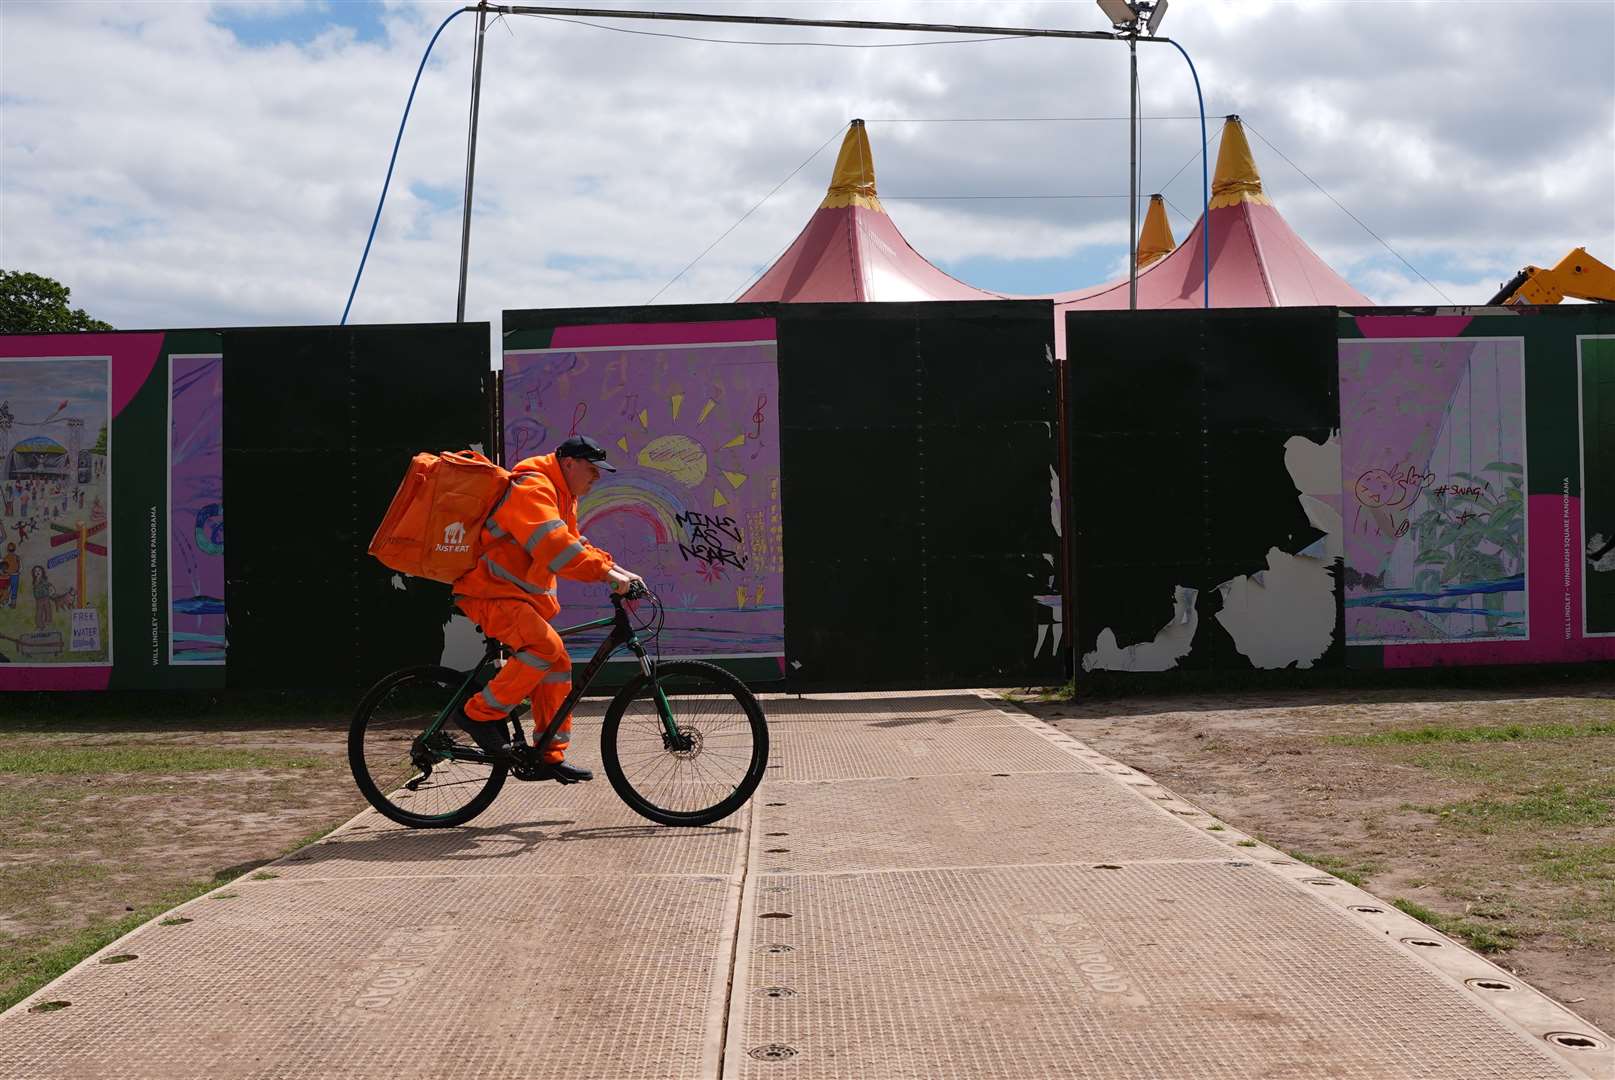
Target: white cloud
{"points": [[174, 176]]}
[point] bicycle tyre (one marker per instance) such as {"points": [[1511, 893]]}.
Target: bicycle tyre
{"points": [[717, 683], [436, 687]]}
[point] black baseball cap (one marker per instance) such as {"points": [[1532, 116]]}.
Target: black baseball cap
{"points": [[581, 446]]}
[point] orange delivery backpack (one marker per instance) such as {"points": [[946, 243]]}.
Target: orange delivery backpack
{"points": [[433, 528]]}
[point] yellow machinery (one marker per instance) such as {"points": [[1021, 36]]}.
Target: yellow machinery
{"points": [[1578, 275]]}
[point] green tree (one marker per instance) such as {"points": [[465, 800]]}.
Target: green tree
{"points": [[100, 446], [34, 304]]}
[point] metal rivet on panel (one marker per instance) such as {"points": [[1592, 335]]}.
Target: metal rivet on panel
{"points": [[776, 992], [773, 1052], [1574, 1040]]}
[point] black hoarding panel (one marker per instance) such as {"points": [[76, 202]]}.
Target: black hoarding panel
{"points": [[1180, 427], [918, 451], [320, 424]]}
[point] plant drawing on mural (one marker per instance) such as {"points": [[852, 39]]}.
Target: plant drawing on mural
{"points": [[196, 510], [1433, 469], [695, 505], [54, 536], [1597, 371]]}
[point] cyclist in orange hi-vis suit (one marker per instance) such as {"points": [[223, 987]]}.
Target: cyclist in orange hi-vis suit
{"points": [[531, 536]]}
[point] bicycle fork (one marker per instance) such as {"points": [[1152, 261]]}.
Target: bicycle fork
{"points": [[672, 738]]}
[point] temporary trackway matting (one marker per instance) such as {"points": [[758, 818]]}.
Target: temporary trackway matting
{"points": [[926, 885]]}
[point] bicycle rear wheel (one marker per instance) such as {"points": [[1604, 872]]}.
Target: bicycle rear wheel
{"points": [[415, 780], [710, 777]]}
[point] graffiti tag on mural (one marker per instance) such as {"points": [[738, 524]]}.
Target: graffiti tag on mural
{"points": [[709, 539]]}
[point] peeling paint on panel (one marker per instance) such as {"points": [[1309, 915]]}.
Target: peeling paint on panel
{"points": [[1283, 615], [1172, 643]]}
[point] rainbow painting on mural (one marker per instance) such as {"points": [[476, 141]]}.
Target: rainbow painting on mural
{"points": [[694, 507], [196, 509], [1434, 474]]}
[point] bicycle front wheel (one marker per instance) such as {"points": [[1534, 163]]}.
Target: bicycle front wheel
{"points": [[414, 779], [715, 765]]}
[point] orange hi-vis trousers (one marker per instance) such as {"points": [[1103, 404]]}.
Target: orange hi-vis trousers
{"points": [[539, 668]]}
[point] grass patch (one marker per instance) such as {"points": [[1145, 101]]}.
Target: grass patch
{"points": [[1439, 733], [1245, 843], [98, 761], [1554, 804], [1345, 869], [1483, 939], [1586, 865]]}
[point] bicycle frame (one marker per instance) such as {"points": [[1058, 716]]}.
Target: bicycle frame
{"points": [[622, 635]]}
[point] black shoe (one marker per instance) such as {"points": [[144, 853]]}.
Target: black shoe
{"points": [[568, 774], [491, 735]]}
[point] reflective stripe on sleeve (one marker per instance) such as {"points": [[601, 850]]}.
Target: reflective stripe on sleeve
{"points": [[521, 583], [543, 530], [493, 527], [571, 551]]}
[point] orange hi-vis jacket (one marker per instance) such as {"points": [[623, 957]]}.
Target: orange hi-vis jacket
{"points": [[531, 536]]}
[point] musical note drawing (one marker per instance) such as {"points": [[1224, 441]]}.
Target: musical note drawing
{"points": [[577, 416], [534, 398], [757, 417], [630, 405]]}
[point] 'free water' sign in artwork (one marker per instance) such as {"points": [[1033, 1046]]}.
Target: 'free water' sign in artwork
{"points": [[695, 504]]}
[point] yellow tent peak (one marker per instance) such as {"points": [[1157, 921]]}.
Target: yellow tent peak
{"points": [[854, 181], [1236, 179], [1155, 238]]}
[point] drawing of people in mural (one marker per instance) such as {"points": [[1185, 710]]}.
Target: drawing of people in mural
{"points": [[196, 510], [1433, 463], [53, 429]]}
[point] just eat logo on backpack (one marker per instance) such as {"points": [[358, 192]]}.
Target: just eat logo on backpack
{"points": [[454, 538]]}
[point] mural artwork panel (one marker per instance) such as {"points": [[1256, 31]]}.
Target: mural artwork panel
{"points": [[196, 510], [54, 596], [1597, 371], [1433, 469], [695, 503]]}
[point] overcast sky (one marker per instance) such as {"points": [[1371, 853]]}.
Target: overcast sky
{"points": [[195, 164]]}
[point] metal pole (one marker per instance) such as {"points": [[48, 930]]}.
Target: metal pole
{"points": [[1132, 177], [471, 160]]}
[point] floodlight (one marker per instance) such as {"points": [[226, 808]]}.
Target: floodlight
{"points": [[1119, 12], [1152, 21]]}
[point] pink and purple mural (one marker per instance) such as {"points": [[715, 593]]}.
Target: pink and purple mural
{"points": [[196, 509], [690, 415], [1433, 468]]}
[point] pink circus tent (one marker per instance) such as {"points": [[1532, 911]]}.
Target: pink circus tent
{"points": [[851, 250]]}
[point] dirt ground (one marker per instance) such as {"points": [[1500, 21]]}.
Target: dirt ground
{"points": [[103, 818], [1506, 843]]}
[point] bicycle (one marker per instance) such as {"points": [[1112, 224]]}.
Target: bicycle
{"points": [[420, 770]]}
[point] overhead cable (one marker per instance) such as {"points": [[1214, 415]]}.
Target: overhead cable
{"points": [[802, 44], [1349, 214], [834, 135]]}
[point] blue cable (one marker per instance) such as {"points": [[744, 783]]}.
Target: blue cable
{"points": [[396, 143], [1205, 179]]}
